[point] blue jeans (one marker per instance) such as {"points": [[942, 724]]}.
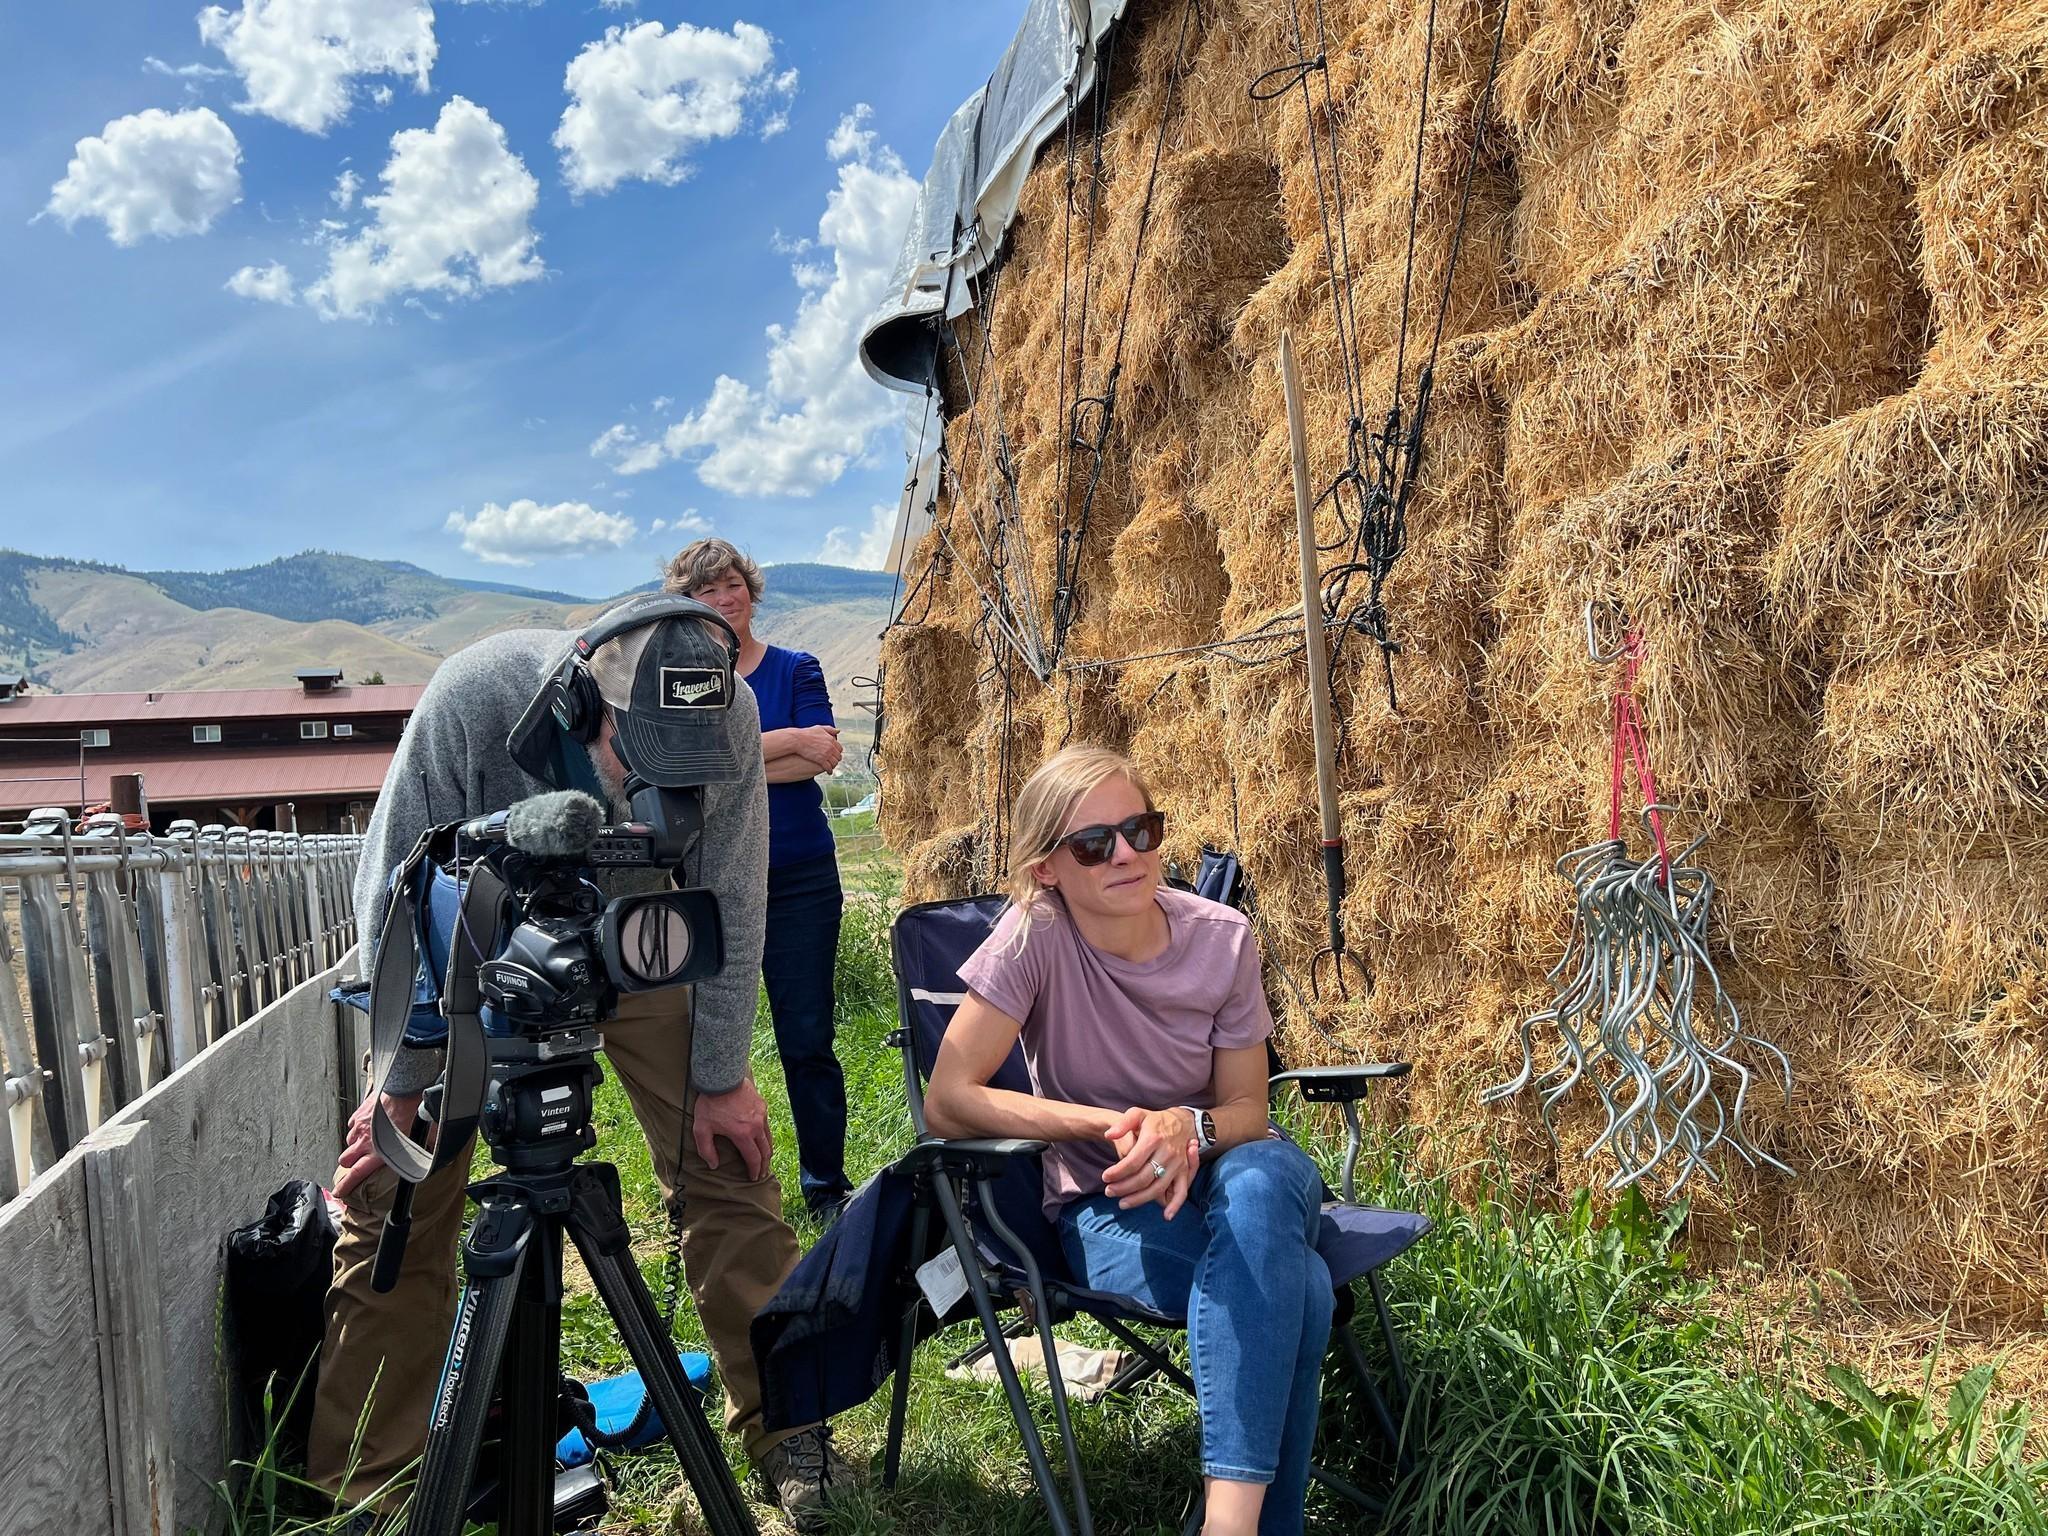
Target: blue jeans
{"points": [[1239, 1262], [798, 956]]}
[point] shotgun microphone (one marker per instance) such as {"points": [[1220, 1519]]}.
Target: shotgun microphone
{"points": [[559, 825]]}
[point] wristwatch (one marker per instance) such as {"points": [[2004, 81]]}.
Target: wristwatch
{"points": [[1205, 1127]]}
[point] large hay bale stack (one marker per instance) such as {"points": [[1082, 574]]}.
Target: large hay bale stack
{"points": [[1748, 337]]}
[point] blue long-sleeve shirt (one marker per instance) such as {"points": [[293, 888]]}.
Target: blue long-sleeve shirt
{"points": [[790, 688]]}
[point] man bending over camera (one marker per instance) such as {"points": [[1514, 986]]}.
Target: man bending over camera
{"points": [[682, 1058]]}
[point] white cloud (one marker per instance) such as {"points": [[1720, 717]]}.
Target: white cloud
{"points": [[346, 185], [815, 415], [299, 59], [270, 284], [453, 218], [151, 64], [867, 551], [852, 139], [155, 173], [641, 98], [526, 531], [380, 95], [689, 522], [660, 403]]}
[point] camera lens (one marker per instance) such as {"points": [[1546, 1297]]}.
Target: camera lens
{"points": [[654, 943]]}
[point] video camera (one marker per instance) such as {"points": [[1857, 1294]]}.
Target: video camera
{"points": [[567, 949]]}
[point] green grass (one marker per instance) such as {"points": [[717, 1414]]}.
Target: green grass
{"points": [[1571, 1376]]}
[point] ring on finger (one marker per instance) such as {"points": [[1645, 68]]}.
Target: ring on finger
{"points": [[1158, 1169]]}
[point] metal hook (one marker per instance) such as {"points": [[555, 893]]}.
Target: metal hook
{"points": [[1599, 657]]}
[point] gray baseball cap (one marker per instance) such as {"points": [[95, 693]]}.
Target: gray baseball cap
{"points": [[669, 685]]}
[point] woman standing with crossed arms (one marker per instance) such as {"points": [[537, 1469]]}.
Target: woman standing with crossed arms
{"points": [[799, 742]]}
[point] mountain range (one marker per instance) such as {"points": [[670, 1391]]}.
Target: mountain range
{"points": [[80, 626]]}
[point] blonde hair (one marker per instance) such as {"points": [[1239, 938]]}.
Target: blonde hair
{"points": [[1044, 806], [706, 561]]}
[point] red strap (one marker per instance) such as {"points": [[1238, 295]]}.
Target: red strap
{"points": [[1632, 746]]}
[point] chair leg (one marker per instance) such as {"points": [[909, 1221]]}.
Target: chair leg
{"points": [[1400, 1367], [1055, 1382], [1149, 1355], [1388, 1427], [906, 1347], [1017, 1330], [1006, 1368], [1349, 1491]]}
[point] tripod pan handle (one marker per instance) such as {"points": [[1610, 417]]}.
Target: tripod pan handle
{"points": [[391, 1243]]}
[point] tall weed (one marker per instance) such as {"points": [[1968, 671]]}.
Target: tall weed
{"points": [[1571, 1378]]}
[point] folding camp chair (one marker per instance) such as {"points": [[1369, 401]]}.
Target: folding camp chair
{"points": [[986, 1192]]}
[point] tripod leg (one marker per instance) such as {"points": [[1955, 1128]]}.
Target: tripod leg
{"points": [[597, 1224], [529, 1387], [495, 1252]]}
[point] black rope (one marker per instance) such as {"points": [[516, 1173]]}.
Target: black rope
{"points": [[1344, 294], [1371, 494], [1382, 535], [1414, 207], [909, 488], [1067, 246], [903, 553], [1284, 77], [997, 849], [1072, 543], [997, 463], [1443, 303]]}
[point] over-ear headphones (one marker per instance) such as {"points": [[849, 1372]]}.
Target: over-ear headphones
{"points": [[572, 695]]}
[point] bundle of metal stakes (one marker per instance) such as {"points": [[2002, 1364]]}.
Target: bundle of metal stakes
{"points": [[1639, 1012]]}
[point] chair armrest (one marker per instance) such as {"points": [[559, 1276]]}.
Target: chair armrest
{"points": [[974, 1157], [1340, 1085]]}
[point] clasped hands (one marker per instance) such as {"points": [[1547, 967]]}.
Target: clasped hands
{"points": [[1147, 1140], [818, 744]]}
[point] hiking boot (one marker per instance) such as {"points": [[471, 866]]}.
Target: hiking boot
{"points": [[826, 1208], [805, 1474]]}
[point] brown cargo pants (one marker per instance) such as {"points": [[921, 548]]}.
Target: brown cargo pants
{"points": [[381, 1360]]}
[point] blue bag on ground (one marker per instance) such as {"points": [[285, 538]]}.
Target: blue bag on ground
{"points": [[616, 1403]]}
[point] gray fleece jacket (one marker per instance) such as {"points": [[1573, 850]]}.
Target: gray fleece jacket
{"points": [[452, 765]]}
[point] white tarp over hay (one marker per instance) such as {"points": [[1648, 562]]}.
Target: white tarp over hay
{"points": [[977, 172]]}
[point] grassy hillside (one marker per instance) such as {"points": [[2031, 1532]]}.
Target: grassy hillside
{"points": [[318, 585], [134, 637], [83, 626]]}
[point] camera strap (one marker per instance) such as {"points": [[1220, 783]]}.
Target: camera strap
{"points": [[477, 933]]}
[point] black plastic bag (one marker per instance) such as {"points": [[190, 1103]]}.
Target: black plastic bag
{"points": [[278, 1273]]}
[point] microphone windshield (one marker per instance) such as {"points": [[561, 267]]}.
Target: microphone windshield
{"points": [[560, 825]]}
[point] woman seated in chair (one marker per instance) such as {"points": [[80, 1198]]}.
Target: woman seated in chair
{"points": [[1144, 1026]]}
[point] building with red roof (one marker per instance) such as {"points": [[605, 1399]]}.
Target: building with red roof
{"points": [[305, 759]]}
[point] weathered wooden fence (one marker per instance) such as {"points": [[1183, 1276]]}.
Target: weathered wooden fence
{"points": [[171, 1058], [127, 955]]}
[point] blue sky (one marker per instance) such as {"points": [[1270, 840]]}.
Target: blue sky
{"points": [[491, 287]]}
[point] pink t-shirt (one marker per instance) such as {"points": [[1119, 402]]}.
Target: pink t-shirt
{"points": [[1104, 1031]]}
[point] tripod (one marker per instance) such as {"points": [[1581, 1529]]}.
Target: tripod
{"points": [[508, 1325]]}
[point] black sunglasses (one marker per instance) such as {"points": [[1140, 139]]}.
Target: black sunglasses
{"points": [[1094, 845]]}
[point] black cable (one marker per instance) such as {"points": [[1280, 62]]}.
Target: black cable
{"points": [[1382, 534], [1443, 306], [903, 553], [1067, 557], [1067, 252], [1414, 200]]}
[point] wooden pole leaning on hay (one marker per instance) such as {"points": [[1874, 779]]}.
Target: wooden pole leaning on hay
{"points": [[1331, 960]]}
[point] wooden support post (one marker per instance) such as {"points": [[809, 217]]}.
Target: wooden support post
{"points": [[123, 1223]]}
